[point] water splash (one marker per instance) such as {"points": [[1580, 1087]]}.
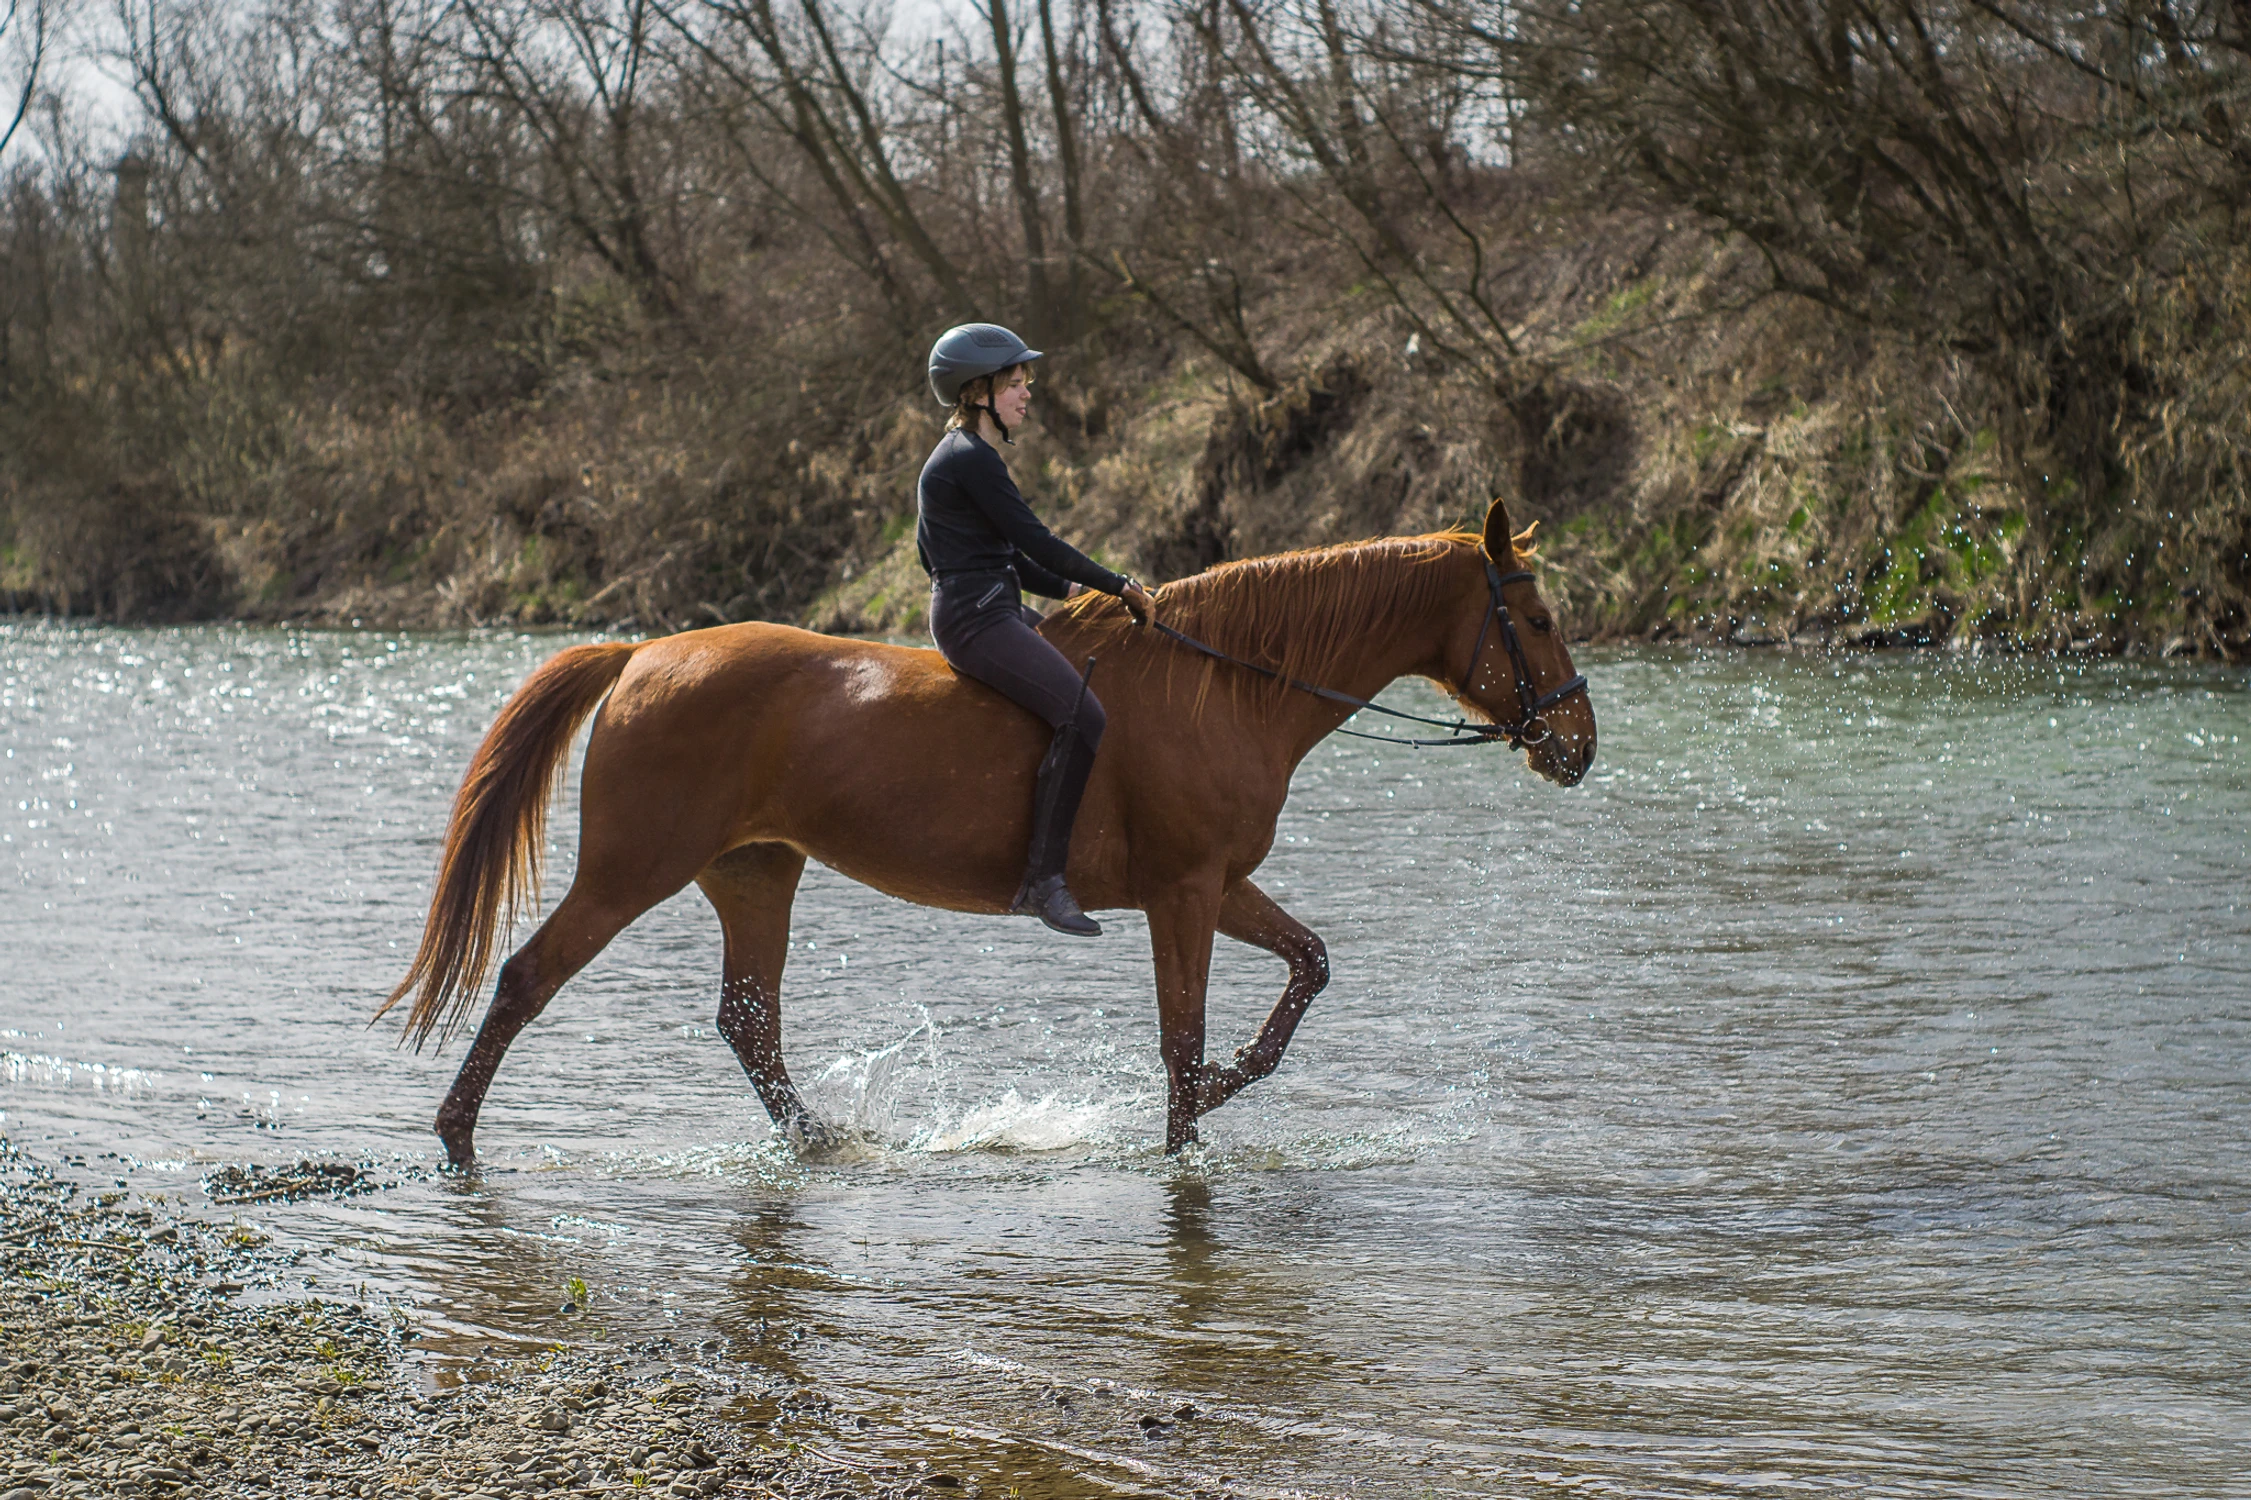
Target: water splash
{"points": [[858, 1096], [898, 1099], [1047, 1123]]}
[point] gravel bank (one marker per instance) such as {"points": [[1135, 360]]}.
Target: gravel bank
{"points": [[146, 1353]]}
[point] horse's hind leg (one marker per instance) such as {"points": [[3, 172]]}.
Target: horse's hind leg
{"points": [[751, 888], [1249, 915], [580, 927]]}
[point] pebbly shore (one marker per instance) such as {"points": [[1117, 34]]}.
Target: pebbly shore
{"points": [[146, 1353]]}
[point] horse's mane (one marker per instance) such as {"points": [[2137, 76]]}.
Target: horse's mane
{"points": [[1297, 613]]}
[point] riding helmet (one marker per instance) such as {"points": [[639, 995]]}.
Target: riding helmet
{"points": [[973, 349]]}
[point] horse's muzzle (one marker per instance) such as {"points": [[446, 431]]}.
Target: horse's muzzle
{"points": [[1562, 760]]}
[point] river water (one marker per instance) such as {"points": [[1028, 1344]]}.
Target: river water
{"points": [[1846, 1090]]}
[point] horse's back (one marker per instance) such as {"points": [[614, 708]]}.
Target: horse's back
{"points": [[732, 677], [845, 748], [758, 656]]}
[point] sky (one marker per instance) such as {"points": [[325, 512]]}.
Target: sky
{"points": [[84, 69]]}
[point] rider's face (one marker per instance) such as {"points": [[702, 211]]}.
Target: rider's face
{"points": [[1013, 397]]}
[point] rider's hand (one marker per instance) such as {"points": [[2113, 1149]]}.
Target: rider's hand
{"points": [[1139, 603]]}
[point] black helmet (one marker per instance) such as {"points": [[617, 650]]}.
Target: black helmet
{"points": [[973, 349]]}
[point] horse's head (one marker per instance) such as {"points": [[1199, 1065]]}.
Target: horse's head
{"points": [[1518, 671]]}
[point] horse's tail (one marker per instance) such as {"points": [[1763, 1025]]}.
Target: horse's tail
{"points": [[496, 834]]}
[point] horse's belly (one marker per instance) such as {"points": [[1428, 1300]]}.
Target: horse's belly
{"points": [[923, 791]]}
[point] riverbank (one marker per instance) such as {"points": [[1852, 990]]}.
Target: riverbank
{"points": [[147, 1351], [1705, 464]]}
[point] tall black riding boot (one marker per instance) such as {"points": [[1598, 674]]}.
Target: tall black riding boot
{"points": [[1055, 804]]}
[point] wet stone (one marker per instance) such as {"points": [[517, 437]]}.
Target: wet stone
{"points": [[234, 1185]]}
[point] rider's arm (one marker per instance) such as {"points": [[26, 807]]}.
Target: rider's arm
{"points": [[1041, 581], [994, 493]]}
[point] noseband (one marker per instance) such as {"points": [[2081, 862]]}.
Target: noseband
{"points": [[1530, 729]]}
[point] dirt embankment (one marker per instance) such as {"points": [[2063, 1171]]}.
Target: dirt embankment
{"points": [[1706, 463]]}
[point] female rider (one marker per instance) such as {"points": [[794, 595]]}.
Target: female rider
{"points": [[982, 546]]}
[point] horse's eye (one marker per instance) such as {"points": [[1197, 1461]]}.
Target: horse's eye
{"points": [[1542, 624]]}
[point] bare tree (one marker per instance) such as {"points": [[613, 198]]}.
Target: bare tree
{"points": [[738, 98], [1354, 113], [1029, 217], [576, 73], [1975, 175], [1071, 325], [1192, 250], [25, 35], [808, 84]]}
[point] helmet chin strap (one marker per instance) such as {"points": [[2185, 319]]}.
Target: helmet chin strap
{"points": [[992, 410]]}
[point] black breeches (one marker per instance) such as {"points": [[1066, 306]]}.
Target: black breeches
{"points": [[984, 630]]}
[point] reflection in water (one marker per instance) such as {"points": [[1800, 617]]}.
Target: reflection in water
{"points": [[1843, 1090], [499, 1278], [770, 1304], [771, 1295], [1192, 1247], [1235, 1319]]}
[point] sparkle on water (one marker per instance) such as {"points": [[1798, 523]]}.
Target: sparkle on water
{"points": [[1845, 1089]]}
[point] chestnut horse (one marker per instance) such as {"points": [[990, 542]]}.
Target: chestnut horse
{"points": [[729, 756]]}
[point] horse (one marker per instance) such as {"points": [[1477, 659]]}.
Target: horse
{"points": [[729, 756]]}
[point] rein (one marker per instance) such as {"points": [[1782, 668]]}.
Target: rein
{"points": [[1518, 735]]}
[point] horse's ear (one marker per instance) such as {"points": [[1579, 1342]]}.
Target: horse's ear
{"points": [[1498, 531]]}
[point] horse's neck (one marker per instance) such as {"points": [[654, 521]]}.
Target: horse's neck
{"points": [[1370, 655]]}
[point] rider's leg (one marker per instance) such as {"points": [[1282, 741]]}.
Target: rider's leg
{"points": [[999, 648], [1061, 784]]}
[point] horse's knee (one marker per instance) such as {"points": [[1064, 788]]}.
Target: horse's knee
{"points": [[1309, 964], [528, 980]]}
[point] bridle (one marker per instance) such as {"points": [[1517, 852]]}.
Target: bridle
{"points": [[1534, 707], [1531, 728]]}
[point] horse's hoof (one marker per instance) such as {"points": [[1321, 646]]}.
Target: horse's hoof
{"points": [[810, 1134], [461, 1152], [1215, 1085]]}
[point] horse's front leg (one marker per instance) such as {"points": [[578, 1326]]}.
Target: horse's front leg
{"points": [[1249, 915], [1180, 929]]}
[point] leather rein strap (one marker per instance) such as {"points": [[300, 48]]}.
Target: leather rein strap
{"points": [[1530, 729]]}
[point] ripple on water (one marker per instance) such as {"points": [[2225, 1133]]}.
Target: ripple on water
{"points": [[37, 1070]]}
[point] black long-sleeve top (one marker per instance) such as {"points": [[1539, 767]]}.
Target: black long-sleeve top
{"points": [[973, 520]]}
